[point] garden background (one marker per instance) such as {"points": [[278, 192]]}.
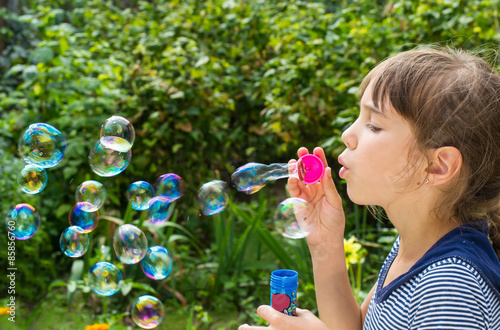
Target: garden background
{"points": [[209, 86]]}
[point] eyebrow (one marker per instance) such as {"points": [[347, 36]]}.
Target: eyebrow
{"points": [[373, 109]]}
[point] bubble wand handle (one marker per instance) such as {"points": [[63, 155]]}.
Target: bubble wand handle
{"points": [[252, 177]]}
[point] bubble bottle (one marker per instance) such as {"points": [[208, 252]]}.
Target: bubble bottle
{"points": [[252, 177], [284, 283]]}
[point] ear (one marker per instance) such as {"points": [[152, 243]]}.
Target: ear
{"points": [[446, 163]]}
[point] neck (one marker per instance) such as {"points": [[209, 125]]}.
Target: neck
{"points": [[419, 228]]}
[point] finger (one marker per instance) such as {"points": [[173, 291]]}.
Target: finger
{"points": [[302, 151], [295, 186], [269, 314], [321, 154], [303, 312], [291, 166], [247, 327]]}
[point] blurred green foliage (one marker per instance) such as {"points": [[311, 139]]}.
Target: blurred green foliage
{"points": [[208, 85]]}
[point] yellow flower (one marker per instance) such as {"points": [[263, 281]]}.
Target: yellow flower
{"points": [[4, 310], [354, 252], [102, 326]]}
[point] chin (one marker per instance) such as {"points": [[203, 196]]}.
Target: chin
{"points": [[356, 198]]}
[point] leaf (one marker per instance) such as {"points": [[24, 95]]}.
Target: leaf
{"points": [[145, 287], [126, 288], [56, 284], [177, 95], [76, 270], [42, 55], [15, 69]]}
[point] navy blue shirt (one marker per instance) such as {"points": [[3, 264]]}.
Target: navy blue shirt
{"points": [[455, 285]]}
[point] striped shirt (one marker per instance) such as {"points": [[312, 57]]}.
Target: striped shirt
{"points": [[449, 293]]}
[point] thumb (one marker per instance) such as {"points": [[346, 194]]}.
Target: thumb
{"points": [[269, 314], [331, 194]]}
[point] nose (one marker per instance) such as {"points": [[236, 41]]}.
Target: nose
{"points": [[349, 138]]}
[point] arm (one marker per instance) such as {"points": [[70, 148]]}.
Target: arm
{"points": [[337, 305]]}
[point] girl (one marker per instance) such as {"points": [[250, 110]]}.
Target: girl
{"points": [[426, 148]]}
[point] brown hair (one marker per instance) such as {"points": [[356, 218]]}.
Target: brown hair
{"points": [[451, 98]]}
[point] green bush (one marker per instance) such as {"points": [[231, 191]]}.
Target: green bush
{"points": [[208, 85]]}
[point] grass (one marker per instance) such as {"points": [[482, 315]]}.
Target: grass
{"points": [[52, 313]]}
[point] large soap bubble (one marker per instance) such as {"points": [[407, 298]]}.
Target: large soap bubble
{"points": [[139, 194], [105, 278], [87, 221], [160, 210], [32, 179], [117, 133], [23, 221], [91, 192], [42, 145], [107, 162], [74, 242], [157, 263], [212, 197], [293, 218], [147, 312], [169, 185], [130, 244]]}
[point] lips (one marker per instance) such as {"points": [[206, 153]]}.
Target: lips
{"points": [[344, 168], [341, 161]]}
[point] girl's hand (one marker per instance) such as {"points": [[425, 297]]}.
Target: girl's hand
{"points": [[277, 320], [327, 214]]}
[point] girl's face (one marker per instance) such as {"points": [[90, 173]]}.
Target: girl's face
{"points": [[375, 162]]}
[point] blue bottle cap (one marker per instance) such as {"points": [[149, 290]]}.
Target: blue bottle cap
{"points": [[284, 278]]}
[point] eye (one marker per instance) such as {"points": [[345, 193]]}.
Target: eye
{"points": [[373, 128]]}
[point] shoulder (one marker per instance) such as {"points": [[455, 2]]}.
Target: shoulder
{"points": [[452, 290], [451, 277]]}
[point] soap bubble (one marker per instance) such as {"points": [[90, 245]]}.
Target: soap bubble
{"points": [[139, 194], [74, 242], [23, 221], [160, 210], [105, 278], [169, 185], [32, 179], [212, 197], [130, 244], [88, 221], [250, 177], [117, 133], [108, 162], [42, 145], [147, 312], [157, 263], [293, 218], [91, 192]]}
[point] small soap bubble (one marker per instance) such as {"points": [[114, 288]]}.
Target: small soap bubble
{"points": [[91, 192], [293, 218], [212, 197], [117, 133], [147, 312], [169, 185], [32, 179], [160, 210], [130, 244], [139, 194], [88, 221], [42, 145], [107, 162], [23, 221], [157, 263], [74, 242], [252, 177], [105, 278]]}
